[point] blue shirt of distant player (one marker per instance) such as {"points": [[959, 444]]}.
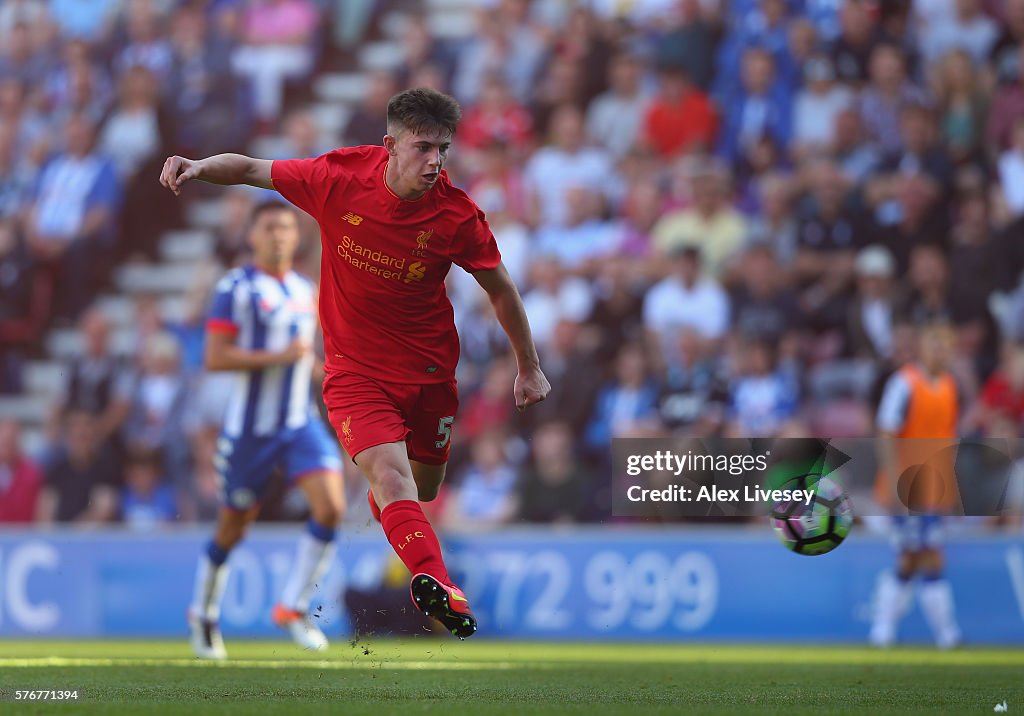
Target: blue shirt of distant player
{"points": [[266, 313]]}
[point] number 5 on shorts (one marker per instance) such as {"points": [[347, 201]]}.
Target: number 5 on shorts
{"points": [[444, 429]]}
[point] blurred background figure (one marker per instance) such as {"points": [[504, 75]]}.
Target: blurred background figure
{"points": [[615, 117], [276, 44], [147, 501], [485, 494], [680, 119], [72, 218], [685, 299], [566, 161], [369, 119], [554, 485], [97, 383], [21, 479], [709, 222], [25, 299], [155, 420], [83, 477], [763, 397]]}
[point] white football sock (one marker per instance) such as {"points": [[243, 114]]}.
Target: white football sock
{"points": [[211, 579], [891, 602], [312, 558], [936, 598]]}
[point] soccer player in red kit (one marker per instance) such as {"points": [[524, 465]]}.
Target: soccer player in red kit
{"points": [[391, 226]]}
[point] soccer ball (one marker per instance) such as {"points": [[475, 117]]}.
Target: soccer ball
{"points": [[814, 528]]}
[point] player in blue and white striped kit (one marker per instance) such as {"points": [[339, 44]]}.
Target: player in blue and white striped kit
{"points": [[261, 326]]}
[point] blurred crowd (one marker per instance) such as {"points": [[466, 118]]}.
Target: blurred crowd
{"points": [[725, 217]]}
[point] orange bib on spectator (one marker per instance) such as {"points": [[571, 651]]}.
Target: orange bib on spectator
{"points": [[928, 439]]}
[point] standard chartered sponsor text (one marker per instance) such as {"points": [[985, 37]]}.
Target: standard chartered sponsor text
{"points": [[373, 261]]}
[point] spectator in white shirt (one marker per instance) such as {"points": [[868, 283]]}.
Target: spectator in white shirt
{"points": [[817, 106], [1011, 171], [564, 163], [969, 28], [555, 297], [685, 300], [614, 118]]}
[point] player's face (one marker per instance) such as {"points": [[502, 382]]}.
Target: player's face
{"points": [[417, 160], [936, 346], [274, 237]]}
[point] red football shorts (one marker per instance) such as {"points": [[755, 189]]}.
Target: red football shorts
{"points": [[366, 412]]}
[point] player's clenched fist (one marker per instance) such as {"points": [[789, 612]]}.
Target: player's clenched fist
{"points": [[531, 387], [176, 171]]}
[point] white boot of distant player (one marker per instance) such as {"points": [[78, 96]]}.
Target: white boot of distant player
{"points": [[936, 598], [313, 557], [891, 602], [204, 612]]}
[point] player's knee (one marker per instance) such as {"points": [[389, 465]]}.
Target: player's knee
{"points": [[390, 484], [328, 513]]}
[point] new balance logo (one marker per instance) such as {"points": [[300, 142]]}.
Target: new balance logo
{"points": [[353, 219]]}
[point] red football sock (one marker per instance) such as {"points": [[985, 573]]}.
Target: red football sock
{"points": [[374, 510], [413, 539]]}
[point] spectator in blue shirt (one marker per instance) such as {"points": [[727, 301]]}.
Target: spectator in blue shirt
{"points": [[764, 398], [628, 402], [147, 501], [763, 108], [71, 224]]}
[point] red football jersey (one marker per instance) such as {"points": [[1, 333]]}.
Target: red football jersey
{"points": [[383, 305]]}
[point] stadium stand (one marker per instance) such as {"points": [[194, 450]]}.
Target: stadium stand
{"points": [[634, 257]]}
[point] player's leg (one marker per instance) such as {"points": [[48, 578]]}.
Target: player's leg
{"points": [[364, 413], [313, 463], [428, 479], [313, 556], [413, 538], [325, 496], [369, 418], [428, 446], [211, 578], [389, 473], [243, 468], [895, 590], [374, 507], [936, 594]]}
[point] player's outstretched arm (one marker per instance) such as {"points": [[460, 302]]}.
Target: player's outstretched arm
{"points": [[218, 169], [221, 353], [531, 385]]}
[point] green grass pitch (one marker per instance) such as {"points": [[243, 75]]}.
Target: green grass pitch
{"points": [[428, 676]]}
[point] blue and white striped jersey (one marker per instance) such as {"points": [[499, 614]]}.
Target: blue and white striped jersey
{"points": [[265, 312]]}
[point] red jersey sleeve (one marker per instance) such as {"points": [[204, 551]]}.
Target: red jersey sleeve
{"points": [[306, 182], [474, 247], [996, 387]]}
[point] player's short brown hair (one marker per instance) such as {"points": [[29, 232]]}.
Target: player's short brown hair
{"points": [[267, 206], [422, 110]]}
